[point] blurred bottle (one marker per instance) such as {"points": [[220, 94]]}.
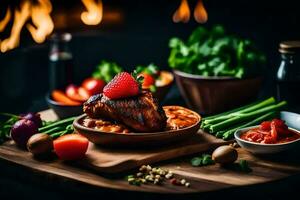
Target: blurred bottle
{"points": [[288, 74], [61, 61]]}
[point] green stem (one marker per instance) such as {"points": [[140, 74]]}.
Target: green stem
{"points": [[9, 115], [58, 134], [229, 134], [231, 111], [246, 116], [55, 129], [58, 123], [252, 108]]}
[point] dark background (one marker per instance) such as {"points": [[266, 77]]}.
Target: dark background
{"points": [[140, 38]]}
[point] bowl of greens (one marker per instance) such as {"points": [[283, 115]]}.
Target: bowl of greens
{"points": [[216, 71]]}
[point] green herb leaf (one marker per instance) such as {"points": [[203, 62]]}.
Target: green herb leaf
{"points": [[244, 166], [197, 161], [106, 70], [203, 160]]}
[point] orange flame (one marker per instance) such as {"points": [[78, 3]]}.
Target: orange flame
{"points": [[5, 20], [94, 13], [182, 14], [40, 15], [20, 18], [200, 13]]}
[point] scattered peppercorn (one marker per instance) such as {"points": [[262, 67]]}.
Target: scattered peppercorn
{"points": [[155, 175]]}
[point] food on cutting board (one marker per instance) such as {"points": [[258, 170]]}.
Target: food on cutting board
{"points": [[203, 160], [71, 146], [123, 101], [225, 155], [225, 124], [22, 130], [155, 175], [216, 53], [271, 132], [40, 143], [28, 130]]}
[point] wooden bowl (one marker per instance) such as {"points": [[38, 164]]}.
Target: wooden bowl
{"points": [[210, 95], [61, 110], [110, 139]]}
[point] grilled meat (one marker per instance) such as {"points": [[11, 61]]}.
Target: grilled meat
{"points": [[141, 113]]}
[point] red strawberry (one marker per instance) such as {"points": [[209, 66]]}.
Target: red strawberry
{"points": [[121, 86]]}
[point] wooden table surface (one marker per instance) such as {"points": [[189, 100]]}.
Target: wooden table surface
{"points": [[202, 179]]}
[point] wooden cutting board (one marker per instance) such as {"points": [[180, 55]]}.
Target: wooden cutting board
{"points": [[118, 160]]}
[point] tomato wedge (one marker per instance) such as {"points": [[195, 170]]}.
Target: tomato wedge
{"points": [[71, 147]]}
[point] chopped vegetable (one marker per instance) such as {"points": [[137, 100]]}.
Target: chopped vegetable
{"points": [[71, 147], [93, 85], [225, 124], [150, 73], [60, 96], [106, 71], [215, 53], [202, 160], [75, 93], [270, 132]]}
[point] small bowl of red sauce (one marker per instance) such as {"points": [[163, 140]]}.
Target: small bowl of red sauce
{"points": [[269, 137]]}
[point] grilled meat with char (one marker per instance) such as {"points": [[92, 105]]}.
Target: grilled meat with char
{"points": [[141, 113]]}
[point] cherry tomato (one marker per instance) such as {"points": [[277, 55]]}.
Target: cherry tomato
{"points": [[93, 85], [77, 93], [148, 80], [71, 147]]}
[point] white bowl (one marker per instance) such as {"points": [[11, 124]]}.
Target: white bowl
{"points": [[291, 119], [259, 148]]}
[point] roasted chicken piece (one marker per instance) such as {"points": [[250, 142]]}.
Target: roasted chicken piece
{"points": [[141, 113]]}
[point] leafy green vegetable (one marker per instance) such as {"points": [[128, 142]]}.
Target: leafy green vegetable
{"points": [[5, 128], [150, 69], [106, 70], [243, 166], [213, 53], [203, 160]]}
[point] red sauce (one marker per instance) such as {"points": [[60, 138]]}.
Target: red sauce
{"points": [[271, 132]]}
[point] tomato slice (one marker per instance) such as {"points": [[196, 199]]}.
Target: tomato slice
{"points": [[71, 147], [274, 134], [148, 80], [93, 85], [77, 93], [265, 126]]}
